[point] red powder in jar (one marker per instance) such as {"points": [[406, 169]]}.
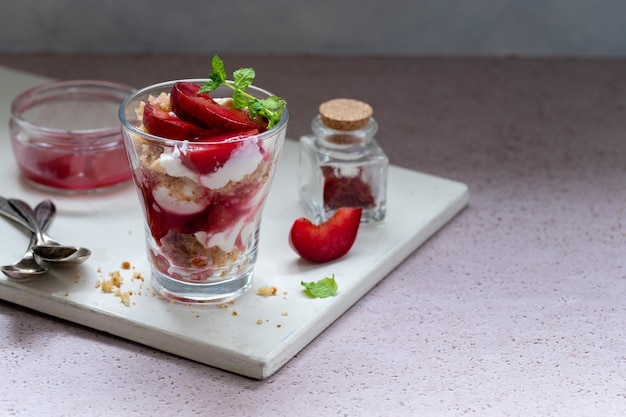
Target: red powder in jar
{"points": [[346, 191]]}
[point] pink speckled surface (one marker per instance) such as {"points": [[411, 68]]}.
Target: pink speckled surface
{"points": [[516, 308]]}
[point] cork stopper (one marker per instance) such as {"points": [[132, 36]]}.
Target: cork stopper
{"points": [[345, 114]]}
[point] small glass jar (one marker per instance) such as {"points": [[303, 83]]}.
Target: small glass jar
{"points": [[66, 137], [341, 165]]}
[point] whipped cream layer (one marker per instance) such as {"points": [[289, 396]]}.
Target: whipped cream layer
{"points": [[243, 161], [187, 199]]}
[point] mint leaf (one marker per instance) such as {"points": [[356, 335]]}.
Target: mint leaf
{"points": [[255, 107], [271, 108], [274, 103], [209, 86], [219, 70], [243, 77], [216, 78], [240, 101], [323, 288]]}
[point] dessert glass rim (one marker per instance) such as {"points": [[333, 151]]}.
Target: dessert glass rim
{"points": [[54, 89], [163, 85]]}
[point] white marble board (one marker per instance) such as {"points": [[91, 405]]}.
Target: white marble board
{"points": [[227, 336]]}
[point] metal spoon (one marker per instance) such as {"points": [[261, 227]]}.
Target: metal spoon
{"points": [[52, 249], [28, 268], [76, 258], [19, 209], [44, 248], [8, 211]]}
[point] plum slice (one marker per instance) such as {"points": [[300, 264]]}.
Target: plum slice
{"points": [[168, 125], [206, 158], [327, 241], [202, 110]]}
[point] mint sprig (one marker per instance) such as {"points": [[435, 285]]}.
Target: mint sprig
{"points": [[323, 288], [271, 108]]}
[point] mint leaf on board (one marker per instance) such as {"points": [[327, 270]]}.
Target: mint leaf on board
{"points": [[270, 108], [326, 287]]}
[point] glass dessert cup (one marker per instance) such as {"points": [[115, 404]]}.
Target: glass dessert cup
{"points": [[202, 222]]}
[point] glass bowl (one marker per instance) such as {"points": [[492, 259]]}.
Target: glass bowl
{"points": [[66, 136]]}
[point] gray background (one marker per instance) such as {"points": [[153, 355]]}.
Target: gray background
{"points": [[353, 27]]}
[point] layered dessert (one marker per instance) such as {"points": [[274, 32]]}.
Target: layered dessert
{"points": [[203, 169]]}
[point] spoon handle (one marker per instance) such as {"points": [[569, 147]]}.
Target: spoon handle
{"points": [[43, 216], [28, 214], [44, 213], [8, 211], [28, 268]]}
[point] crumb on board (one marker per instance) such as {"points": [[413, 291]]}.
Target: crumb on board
{"points": [[266, 291], [109, 285], [113, 286], [284, 314], [235, 313], [124, 296], [137, 275], [259, 322], [126, 265]]}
